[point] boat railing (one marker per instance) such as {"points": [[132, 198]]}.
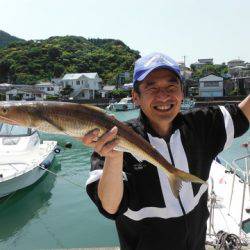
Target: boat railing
{"points": [[245, 172]]}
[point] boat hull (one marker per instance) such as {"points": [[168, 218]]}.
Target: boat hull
{"points": [[19, 182]]}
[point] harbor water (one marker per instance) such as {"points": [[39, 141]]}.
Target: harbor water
{"points": [[55, 213]]}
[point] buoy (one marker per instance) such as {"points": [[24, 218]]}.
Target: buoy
{"points": [[68, 145], [57, 150]]}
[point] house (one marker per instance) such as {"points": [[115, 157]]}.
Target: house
{"points": [[4, 87], [49, 88], [211, 86], [206, 61], [202, 62], [106, 90], [84, 85], [186, 72], [235, 63], [25, 92]]}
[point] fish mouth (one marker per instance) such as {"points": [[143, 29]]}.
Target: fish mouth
{"points": [[7, 120], [163, 107]]}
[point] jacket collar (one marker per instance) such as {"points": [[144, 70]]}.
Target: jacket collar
{"points": [[147, 128]]}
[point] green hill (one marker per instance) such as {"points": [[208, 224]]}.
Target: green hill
{"points": [[6, 39], [28, 62]]}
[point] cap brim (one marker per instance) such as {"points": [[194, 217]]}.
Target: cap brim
{"points": [[143, 76]]}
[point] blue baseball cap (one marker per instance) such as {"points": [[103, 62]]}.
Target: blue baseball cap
{"points": [[146, 64]]}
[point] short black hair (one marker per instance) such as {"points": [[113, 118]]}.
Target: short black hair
{"points": [[137, 86]]}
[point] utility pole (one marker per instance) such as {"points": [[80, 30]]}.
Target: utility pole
{"points": [[184, 60]]}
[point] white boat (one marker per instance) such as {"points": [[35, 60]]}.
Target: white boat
{"points": [[229, 205], [123, 105], [187, 104], [23, 157]]}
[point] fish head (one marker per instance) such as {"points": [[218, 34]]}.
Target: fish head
{"points": [[15, 113]]}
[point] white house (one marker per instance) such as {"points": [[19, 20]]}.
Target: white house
{"points": [[106, 90], [235, 63], [84, 84], [211, 86], [49, 88], [25, 93]]}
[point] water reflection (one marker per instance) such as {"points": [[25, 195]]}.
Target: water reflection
{"points": [[17, 209]]}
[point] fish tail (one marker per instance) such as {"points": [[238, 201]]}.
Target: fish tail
{"points": [[175, 180], [188, 177], [175, 184]]}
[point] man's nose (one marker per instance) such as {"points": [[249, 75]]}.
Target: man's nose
{"points": [[162, 94]]}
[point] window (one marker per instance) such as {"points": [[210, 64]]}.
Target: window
{"points": [[211, 84], [77, 82]]}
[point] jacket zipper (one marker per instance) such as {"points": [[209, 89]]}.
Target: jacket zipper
{"points": [[179, 199]]}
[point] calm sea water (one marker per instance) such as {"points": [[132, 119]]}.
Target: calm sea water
{"points": [[54, 213]]}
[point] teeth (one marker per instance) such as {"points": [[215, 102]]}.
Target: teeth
{"points": [[164, 107]]}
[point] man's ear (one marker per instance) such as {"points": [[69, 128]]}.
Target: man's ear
{"points": [[135, 97]]}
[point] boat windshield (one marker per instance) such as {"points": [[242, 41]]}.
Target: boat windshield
{"points": [[13, 130]]}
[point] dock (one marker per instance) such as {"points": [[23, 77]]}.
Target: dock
{"points": [[117, 248]]}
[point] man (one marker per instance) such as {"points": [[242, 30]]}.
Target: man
{"points": [[136, 195]]}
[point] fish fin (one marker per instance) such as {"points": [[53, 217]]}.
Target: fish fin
{"points": [[123, 149], [188, 177], [175, 185], [120, 148], [138, 158], [94, 107]]}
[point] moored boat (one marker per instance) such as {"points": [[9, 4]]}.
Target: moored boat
{"points": [[23, 157], [123, 105], [187, 104]]}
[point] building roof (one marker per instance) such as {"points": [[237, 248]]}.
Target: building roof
{"points": [[235, 61], [211, 77], [45, 84], [28, 89], [5, 84], [76, 76], [108, 87]]}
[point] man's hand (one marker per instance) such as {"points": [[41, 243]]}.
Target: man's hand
{"points": [[245, 107], [103, 145]]}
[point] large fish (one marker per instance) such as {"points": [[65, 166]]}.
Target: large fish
{"points": [[77, 119]]}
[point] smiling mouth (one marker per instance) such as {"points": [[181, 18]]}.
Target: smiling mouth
{"points": [[164, 108]]}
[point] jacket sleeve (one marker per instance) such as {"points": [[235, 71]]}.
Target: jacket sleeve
{"points": [[97, 163], [217, 127]]}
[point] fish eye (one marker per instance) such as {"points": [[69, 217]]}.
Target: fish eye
{"points": [[4, 111]]}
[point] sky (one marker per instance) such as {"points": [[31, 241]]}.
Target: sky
{"points": [[218, 29]]}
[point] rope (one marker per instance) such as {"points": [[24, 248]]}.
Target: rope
{"points": [[67, 180], [227, 241]]}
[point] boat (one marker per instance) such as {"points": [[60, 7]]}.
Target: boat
{"points": [[187, 104], [24, 157], [123, 105], [228, 226]]}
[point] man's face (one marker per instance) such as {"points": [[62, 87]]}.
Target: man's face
{"points": [[160, 97]]}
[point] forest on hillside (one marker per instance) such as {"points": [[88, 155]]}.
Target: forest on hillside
{"points": [[26, 62]]}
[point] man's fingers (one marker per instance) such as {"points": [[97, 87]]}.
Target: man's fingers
{"points": [[112, 116], [109, 136], [109, 146], [90, 137]]}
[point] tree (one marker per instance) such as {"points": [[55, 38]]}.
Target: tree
{"points": [[58, 70], [54, 53], [66, 91]]}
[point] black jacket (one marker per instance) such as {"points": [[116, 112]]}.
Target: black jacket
{"points": [[149, 216]]}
